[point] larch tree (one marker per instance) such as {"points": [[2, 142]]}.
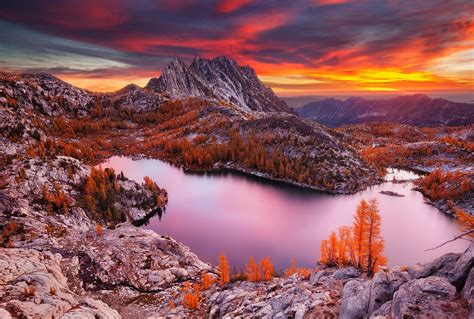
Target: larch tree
{"points": [[343, 253], [224, 269], [324, 249], [252, 270], [333, 245], [465, 222], [360, 232], [290, 271], [375, 242], [267, 269], [361, 245]]}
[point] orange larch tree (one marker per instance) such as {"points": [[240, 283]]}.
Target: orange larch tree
{"points": [[360, 232], [324, 252], [253, 271], [375, 242], [267, 269], [465, 222], [361, 245], [333, 245], [224, 269], [290, 271], [344, 242]]}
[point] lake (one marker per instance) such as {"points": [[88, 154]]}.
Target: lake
{"points": [[243, 216]]}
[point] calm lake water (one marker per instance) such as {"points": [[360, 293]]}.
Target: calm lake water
{"points": [[243, 216]]}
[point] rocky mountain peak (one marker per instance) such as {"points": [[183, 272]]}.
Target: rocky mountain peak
{"points": [[221, 78]]}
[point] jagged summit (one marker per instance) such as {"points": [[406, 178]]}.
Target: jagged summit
{"points": [[220, 78]]}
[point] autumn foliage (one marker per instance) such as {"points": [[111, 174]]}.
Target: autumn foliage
{"points": [[98, 230], [101, 190], [302, 272], [56, 200], [150, 184], [465, 221], [207, 280], [446, 185], [224, 270], [262, 271], [191, 295], [360, 245]]}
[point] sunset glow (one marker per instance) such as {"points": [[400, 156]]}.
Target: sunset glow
{"points": [[297, 48]]}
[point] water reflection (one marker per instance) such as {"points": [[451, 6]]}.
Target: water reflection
{"points": [[246, 216]]}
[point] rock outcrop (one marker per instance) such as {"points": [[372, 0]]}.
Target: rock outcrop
{"points": [[427, 290], [427, 297], [134, 257], [32, 285], [221, 79]]}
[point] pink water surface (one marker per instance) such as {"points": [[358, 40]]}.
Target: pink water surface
{"points": [[243, 216]]}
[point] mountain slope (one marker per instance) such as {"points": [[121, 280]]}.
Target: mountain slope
{"points": [[418, 110], [221, 79]]}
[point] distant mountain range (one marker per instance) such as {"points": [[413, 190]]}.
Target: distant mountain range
{"points": [[417, 109], [220, 78]]}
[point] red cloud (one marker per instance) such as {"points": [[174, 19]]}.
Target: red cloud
{"points": [[329, 2], [226, 6], [89, 13]]}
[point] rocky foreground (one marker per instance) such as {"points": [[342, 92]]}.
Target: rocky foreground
{"points": [[103, 280]]}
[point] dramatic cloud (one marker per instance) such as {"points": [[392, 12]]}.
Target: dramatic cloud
{"points": [[298, 47]]}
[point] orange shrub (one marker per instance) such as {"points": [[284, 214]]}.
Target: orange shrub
{"points": [[253, 271], [98, 230], [191, 295], [150, 184], [207, 280], [56, 200]]}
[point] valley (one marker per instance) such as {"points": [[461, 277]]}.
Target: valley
{"points": [[72, 245]]}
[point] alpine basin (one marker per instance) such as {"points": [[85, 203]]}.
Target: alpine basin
{"points": [[242, 216]]}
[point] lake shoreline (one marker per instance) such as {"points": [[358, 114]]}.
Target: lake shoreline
{"points": [[226, 199]]}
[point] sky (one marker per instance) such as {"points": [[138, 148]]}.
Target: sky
{"points": [[313, 47]]}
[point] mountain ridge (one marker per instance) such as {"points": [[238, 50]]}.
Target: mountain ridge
{"points": [[219, 78], [416, 109]]}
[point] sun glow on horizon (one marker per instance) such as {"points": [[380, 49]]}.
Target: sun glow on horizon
{"points": [[296, 48]]}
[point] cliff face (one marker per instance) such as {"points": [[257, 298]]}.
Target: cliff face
{"points": [[219, 78]]}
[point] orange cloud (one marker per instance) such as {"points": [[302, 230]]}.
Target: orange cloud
{"points": [[329, 2]]}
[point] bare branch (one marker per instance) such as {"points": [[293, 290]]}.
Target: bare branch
{"points": [[455, 238]]}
